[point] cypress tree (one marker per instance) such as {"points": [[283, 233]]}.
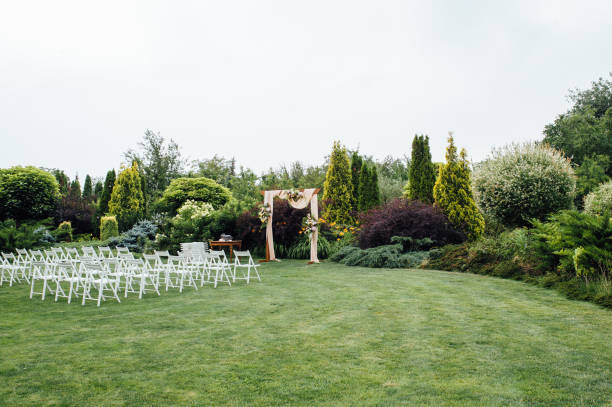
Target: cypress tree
{"points": [[109, 183], [356, 164], [369, 194], [63, 181], [98, 188], [127, 201], [374, 190], [88, 189], [453, 193], [338, 187], [422, 175], [364, 188], [75, 188]]}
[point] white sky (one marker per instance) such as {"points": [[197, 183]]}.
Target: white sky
{"points": [[270, 82]]}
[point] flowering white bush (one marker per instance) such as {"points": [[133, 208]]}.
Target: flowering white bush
{"points": [[524, 181], [600, 200], [189, 219]]}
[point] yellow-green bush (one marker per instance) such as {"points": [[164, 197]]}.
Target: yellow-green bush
{"points": [[599, 201], [108, 227], [453, 193], [63, 233]]}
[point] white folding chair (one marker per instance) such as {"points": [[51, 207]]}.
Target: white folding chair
{"points": [[244, 260], [97, 276], [14, 269], [42, 271], [217, 262], [105, 252]]}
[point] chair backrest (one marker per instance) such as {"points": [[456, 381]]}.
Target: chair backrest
{"points": [[9, 257], [72, 253], [122, 250], [51, 255], [36, 255], [59, 251], [89, 251], [105, 251], [22, 255]]}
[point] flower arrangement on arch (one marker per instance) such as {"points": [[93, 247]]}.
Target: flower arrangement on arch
{"points": [[294, 194], [309, 225], [265, 214]]}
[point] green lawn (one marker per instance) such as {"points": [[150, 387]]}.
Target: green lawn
{"points": [[312, 335]]}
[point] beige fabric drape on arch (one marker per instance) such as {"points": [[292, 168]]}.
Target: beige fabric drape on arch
{"points": [[308, 197]]}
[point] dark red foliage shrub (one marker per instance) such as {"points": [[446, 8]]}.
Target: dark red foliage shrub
{"points": [[76, 210], [287, 223], [402, 217]]}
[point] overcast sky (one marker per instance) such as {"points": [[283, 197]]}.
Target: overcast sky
{"points": [[271, 82]]}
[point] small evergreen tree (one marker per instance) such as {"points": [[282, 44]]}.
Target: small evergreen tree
{"points": [[127, 202], [453, 193], [364, 188], [374, 189], [88, 189], [98, 188], [109, 183], [369, 195], [356, 164], [75, 188], [63, 181], [338, 194], [422, 175]]}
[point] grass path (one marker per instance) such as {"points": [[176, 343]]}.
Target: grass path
{"points": [[324, 335]]}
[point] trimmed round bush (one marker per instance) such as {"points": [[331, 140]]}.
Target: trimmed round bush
{"points": [[521, 182], [405, 218], [599, 201], [108, 227], [63, 233], [27, 193], [199, 189]]}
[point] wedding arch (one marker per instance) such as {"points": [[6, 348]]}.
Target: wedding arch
{"points": [[298, 199]]}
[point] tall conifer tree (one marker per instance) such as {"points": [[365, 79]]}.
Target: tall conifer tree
{"points": [[109, 183], [338, 187], [87, 189], [356, 164], [453, 193], [422, 176]]}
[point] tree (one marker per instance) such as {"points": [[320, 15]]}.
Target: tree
{"points": [[159, 162], [338, 193], [364, 188], [127, 202], [422, 171], [88, 189], [356, 164], [218, 169], [109, 184], [98, 188], [27, 193], [199, 189], [590, 175], [453, 193], [586, 129], [75, 188], [62, 180]]}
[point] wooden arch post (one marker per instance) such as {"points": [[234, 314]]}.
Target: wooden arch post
{"points": [[315, 194]]}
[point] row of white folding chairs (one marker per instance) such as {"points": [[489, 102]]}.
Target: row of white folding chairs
{"points": [[86, 275]]}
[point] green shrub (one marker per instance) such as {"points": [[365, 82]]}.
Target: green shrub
{"points": [[301, 249], [199, 189], [422, 171], [27, 193], [343, 252], [63, 233], [580, 242], [190, 220], [599, 201], [524, 181], [24, 236], [108, 227], [376, 257], [410, 244], [413, 259]]}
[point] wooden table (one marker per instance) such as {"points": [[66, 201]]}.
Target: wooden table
{"points": [[226, 243]]}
